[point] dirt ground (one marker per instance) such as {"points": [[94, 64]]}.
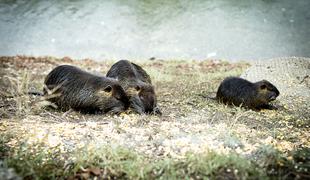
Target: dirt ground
{"points": [[191, 120]]}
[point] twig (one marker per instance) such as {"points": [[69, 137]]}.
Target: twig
{"points": [[303, 79], [66, 113], [54, 116]]}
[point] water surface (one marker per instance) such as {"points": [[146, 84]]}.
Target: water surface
{"points": [[141, 29]]}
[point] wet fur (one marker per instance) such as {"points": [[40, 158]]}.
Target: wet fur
{"points": [[137, 84], [74, 88], [237, 91]]}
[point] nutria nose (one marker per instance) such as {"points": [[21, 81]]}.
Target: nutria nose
{"points": [[273, 96]]}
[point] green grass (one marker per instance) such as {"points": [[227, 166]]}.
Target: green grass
{"points": [[36, 162]]}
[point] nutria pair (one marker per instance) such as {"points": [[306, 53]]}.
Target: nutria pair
{"points": [[126, 85], [240, 92]]}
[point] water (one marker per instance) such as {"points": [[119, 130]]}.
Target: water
{"points": [[141, 29]]}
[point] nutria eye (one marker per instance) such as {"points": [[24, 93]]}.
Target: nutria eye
{"points": [[138, 88], [263, 86], [108, 89]]}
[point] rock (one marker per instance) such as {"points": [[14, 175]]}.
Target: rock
{"points": [[8, 173]]}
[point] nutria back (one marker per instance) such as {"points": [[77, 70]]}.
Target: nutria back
{"points": [[237, 91], [125, 70], [70, 87], [137, 84]]}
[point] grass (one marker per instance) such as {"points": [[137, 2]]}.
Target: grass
{"points": [[196, 138], [37, 162]]}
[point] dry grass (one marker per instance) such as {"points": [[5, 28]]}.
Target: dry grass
{"points": [[195, 138]]}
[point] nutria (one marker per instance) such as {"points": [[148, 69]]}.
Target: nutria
{"points": [[70, 87], [138, 86], [237, 91]]}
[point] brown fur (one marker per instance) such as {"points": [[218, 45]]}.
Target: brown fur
{"points": [[70, 87], [237, 91]]}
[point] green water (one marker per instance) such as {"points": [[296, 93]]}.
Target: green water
{"points": [[141, 29]]}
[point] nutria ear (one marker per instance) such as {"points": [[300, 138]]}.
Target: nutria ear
{"points": [[107, 91], [138, 88], [131, 91]]}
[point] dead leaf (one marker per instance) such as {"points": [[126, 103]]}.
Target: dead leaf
{"points": [[95, 171]]}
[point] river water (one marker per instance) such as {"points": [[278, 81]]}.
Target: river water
{"points": [[141, 29]]}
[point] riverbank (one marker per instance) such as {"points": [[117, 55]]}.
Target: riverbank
{"points": [[195, 137]]}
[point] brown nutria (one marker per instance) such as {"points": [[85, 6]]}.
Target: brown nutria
{"points": [[138, 86], [237, 91], [74, 88]]}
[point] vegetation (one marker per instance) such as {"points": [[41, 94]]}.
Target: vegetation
{"points": [[196, 138]]}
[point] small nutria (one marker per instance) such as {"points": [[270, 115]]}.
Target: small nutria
{"points": [[74, 88], [237, 91], [138, 86]]}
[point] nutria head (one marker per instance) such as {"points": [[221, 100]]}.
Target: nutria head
{"points": [[112, 98], [143, 99], [266, 91]]}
